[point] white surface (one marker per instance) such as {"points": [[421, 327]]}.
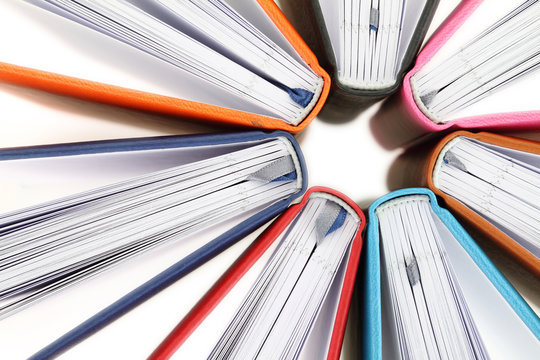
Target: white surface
{"points": [[344, 156]]}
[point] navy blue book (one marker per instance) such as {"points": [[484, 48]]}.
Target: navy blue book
{"points": [[76, 210]]}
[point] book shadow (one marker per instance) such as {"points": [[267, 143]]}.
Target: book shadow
{"points": [[111, 113]]}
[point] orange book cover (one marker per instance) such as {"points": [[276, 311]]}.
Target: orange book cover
{"points": [[473, 218], [147, 101]]}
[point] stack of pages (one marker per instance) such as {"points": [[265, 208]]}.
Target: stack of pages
{"points": [[450, 85], [288, 296], [430, 313], [372, 43], [475, 72], [493, 181], [182, 187], [438, 292], [202, 58], [500, 184], [276, 316]]}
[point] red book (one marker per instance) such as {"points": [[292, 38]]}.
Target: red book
{"points": [[335, 305]]}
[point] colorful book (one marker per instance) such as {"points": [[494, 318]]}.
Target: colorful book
{"points": [[475, 72], [492, 182], [430, 291], [370, 45], [234, 62], [288, 295], [80, 209]]}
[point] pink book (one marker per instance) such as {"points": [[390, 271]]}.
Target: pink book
{"points": [[476, 72]]}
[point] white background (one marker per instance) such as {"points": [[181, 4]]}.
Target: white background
{"points": [[341, 155]]}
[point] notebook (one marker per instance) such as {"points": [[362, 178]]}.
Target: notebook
{"points": [[432, 293], [476, 72], [287, 296], [493, 182], [230, 61], [370, 44], [76, 210]]}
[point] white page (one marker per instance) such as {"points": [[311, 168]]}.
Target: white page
{"points": [[92, 56], [224, 33], [214, 325], [505, 335], [412, 11], [61, 312], [389, 334], [318, 342], [304, 223], [35, 180], [256, 15], [525, 157], [129, 24], [330, 14]]}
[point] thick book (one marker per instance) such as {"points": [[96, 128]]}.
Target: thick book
{"points": [[227, 61], [493, 183], [476, 72], [76, 210], [287, 296], [430, 291], [370, 45]]}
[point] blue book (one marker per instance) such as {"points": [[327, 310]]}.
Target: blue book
{"points": [[77, 210], [430, 291]]}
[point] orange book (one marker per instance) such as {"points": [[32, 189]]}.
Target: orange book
{"points": [[493, 183], [235, 62]]}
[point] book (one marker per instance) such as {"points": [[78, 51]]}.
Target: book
{"points": [[430, 291], [76, 210], [464, 167], [492, 182], [370, 45], [234, 62], [474, 73], [288, 295]]}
